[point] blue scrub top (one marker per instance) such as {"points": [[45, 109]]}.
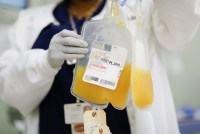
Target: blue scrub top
{"points": [[51, 119]]}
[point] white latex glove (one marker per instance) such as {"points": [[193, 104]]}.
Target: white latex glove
{"points": [[66, 45]]}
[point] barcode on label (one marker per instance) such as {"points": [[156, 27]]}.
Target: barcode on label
{"points": [[107, 47], [106, 82], [91, 78]]}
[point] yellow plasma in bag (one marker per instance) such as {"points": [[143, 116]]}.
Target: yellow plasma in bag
{"points": [[142, 87], [100, 95]]}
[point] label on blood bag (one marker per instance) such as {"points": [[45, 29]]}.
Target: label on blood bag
{"points": [[93, 119], [105, 65], [104, 129], [74, 112]]}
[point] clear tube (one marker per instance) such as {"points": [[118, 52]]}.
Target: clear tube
{"points": [[123, 2], [116, 13]]}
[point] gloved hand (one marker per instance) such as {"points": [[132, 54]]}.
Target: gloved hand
{"points": [[66, 45]]}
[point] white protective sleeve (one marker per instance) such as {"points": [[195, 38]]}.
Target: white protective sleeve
{"points": [[174, 22], [25, 74], [26, 80]]}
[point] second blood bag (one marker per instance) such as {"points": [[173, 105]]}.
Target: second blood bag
{"points": [[141, 78], [103, 76]]}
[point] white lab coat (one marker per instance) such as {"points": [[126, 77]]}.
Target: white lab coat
{"points": [[26, 76]]}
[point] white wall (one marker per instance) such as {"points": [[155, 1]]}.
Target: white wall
{"points": [[186, 85], [40, 2], [5, 126]]}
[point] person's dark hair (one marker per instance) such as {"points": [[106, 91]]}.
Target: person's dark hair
{"points": [[67, 2]]}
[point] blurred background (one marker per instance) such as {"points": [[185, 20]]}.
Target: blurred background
{"points": [[183, 70]]}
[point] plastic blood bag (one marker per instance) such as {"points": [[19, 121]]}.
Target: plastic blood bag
{"points": [[141, 79], [100, 95], [142, 92], [103, 76], [141, 86]]}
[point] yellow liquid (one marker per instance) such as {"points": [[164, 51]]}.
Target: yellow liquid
{"points": [[100, 95], [142, 88]]}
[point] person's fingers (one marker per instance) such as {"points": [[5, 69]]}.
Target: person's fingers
{"points": [[63, 56], [73, 56], [73, 50], [68, 33], [79, 128], [70, 41]]}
